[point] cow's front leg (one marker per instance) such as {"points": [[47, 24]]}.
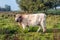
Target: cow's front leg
{"points": [[23, 25], [28, 27]]}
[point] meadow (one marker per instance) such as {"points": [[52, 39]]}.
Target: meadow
{"points": [[9, 29]]}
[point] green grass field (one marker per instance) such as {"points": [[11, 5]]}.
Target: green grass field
{"points": [[9, 29]]}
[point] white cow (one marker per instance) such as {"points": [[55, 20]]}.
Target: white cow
{"points": [[27, 20]]}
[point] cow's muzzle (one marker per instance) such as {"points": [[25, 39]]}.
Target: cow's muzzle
{"points": [[17, 20]]}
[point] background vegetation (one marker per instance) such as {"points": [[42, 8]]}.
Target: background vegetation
{"points": [[37, 5], [9, 29], [7, 8]]}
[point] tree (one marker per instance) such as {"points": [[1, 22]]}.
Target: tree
{"points": [[7, 8], [34, 5]]}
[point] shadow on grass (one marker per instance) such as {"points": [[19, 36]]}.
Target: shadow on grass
{"points": [[55, 30], [48, 30]]}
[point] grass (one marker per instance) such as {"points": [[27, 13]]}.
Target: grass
{"points": [[9, 29]]}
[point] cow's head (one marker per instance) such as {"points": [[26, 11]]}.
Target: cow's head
{"points": [[18, 18]]}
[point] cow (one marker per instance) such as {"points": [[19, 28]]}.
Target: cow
{"points": [[27, 20]]}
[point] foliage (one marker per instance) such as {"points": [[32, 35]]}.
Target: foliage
{"points": [[7, 8], [34, 5]]}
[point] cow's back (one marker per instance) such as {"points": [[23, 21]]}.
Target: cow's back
{"points": [[34, 19]]}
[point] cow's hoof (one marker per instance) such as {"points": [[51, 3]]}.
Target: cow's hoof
{"points": [[37, 31], [44, 31]]}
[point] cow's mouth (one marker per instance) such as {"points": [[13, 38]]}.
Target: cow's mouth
{"points": [[19, 20]]}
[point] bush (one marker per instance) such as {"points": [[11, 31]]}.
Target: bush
{"points": [[9, 30]]}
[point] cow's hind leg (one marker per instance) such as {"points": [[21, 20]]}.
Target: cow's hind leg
{"points": [[38, 29], [23, 25], [43, 25]]}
